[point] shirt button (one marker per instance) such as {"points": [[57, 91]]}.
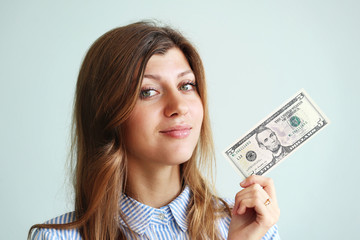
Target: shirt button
{"points": [[161, 216]]}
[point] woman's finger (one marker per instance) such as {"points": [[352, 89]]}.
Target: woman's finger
{"points": [[254, 191], [256, 203], [266, 183]]}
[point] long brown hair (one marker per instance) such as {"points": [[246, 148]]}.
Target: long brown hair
{"points": [[107, 89]]}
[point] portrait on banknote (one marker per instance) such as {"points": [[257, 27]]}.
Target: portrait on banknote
{"points": [[267, 139]]}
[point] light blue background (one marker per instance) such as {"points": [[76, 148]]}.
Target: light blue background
{"points": [[257, 54]]}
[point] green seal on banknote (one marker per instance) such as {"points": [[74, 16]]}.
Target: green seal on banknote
{"points": [[295, 121]]}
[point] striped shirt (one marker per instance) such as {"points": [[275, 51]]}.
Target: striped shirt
{"points": [[168, 222]]}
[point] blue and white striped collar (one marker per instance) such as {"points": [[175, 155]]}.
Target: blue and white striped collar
{"points": [[138, 216]]}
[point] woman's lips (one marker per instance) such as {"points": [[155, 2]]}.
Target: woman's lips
{"points": [[177, 131]]}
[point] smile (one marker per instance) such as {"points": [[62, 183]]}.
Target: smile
{"points": [[177, 131]]}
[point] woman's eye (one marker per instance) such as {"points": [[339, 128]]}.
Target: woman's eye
{"points": [[188, 86], [146, 93]]}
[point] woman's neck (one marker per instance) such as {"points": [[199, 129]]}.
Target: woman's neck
{"points": [[155, 187]]}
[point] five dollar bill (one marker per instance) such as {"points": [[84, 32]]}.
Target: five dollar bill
{"points": [[276, 137]]}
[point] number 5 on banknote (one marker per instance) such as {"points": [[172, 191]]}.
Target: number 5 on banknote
{"points": [[276, 137]]}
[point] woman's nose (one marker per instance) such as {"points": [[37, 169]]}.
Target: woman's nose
{"points": [[176, 105]]}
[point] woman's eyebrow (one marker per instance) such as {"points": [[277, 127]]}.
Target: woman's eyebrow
{"points": [[152, 76], [158, 77], [185, 73]]}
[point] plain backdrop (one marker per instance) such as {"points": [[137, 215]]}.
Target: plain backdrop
{"points": [[256, 54]]}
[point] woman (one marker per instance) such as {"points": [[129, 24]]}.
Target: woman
{"points": [[141, 136]]}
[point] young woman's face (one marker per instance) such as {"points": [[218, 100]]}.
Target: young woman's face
{"points": [[164, 127]]}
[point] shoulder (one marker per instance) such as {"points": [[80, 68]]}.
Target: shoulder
{"points": [[225, 218], [57, 234], [229, 201]]}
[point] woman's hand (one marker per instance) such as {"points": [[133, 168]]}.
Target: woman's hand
{"points": [[255, 210]]}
